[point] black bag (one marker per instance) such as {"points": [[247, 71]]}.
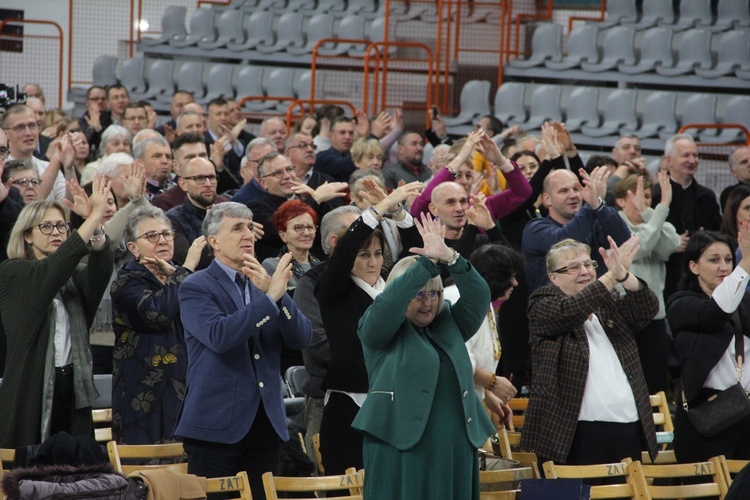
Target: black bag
{"points": [[722, 410]]}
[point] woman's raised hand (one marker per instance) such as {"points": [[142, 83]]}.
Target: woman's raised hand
{"points": [[618, 259], [433, 237], [135, 184]]}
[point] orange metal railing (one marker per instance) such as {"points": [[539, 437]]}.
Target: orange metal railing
{"points": [[53, 83], [291, 116]]}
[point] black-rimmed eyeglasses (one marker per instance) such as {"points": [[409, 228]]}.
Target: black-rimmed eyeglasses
{"points": [[153, 236], [46, 227]]}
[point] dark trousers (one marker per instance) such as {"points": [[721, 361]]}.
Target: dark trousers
{"points": [[256, 453], [64, 416], [340, 443], [653, 351]]}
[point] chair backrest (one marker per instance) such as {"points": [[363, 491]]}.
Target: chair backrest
{"points": [[295, 375], [738, 111], [239, 483], [509, 102], [695, 48], [102, 424], [146, 452], [713, 469], [619, 43], [259, 26], [133, 78], [352, 482], [230, 25], [509, 443], [734, 47], [630, 488], [620, 108], [250, 81], [699, 108], [202, 24], [190, 78], [318, 456], [505, 475], [582, 43], [547, 41], [103, 72], [733, 11], [280, 82], [475, 98], [659, 10], [656, 45], [621, 10], [7, 456], [160, 77], [582, 108], [173, 22], [520, 405], [692, 11], [219, 82], [658, 104]]}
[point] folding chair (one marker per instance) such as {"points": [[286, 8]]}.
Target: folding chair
{"points": [[492, 477], [239, 483], [717, 486], [631, 488], [352, 481], [510, 448], [150, 452]]}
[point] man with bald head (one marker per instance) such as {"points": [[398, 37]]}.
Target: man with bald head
{"points": [[274, 129], [576, 212], [252, 189]]}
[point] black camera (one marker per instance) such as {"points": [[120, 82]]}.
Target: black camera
{"points": [[10, 95]]}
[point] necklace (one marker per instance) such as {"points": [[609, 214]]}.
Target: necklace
{"points": [[497, 349]]}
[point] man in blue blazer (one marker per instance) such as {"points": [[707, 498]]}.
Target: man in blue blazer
{"points": [[236, 319]]}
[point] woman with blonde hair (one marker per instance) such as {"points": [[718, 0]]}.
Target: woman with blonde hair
{"points": [[368, 153]]}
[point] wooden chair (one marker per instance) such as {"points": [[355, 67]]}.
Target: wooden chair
{"points": [[519, 406], [732, 467], [7, 456], [318, 456], [143, 452], [488, 477], [353, 481], [102, 424], [509, 443], [716, 487], [631, 488], [239, 483], [662, 419]]}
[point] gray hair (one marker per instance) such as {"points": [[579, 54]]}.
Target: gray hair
{"points": [[568, 245], [184, 113], [358, 177], [258, 141], [130, 233], [139, 146], [435, 283], [14, 165], [110, 133], [212, 222], [626, 136], [732, 157], [333, 223], [112, 162], [669, 145], [265, 160]]}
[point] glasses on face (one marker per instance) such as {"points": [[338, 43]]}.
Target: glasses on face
{"points": [[26, 182], [427, 295], [305, 145], [576, 266], [201, 179], [46, 227], [4, 152], [153, 236], [280, 173], [19, 129], [301, 228]]}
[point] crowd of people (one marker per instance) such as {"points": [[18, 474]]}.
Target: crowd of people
{"points": [[196, 262]]}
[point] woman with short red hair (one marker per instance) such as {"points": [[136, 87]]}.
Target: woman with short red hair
{"points": [[297, 224]]}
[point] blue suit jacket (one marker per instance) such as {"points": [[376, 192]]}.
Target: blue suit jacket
{"points": [[234, 354]]}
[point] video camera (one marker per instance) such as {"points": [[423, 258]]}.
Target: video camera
{"points": [[10, 95]]}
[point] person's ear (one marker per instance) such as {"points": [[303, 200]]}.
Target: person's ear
{"points": [[693, 266], [620, 202], [547, 200], [282, 235], [133, 249], [433, 209]]}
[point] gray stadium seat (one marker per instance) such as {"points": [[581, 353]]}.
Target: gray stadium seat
{"points": [[655, 12], [159, 78], [732, 14], [319, 27], [698, 108], [288, 34], [619, 11], [365, 8], [582, 109], [302, 85], [280, 82], [693, 12], [694, 52], [201, 29], [656, 50], [219, 82], [103, 72], [509, 103], [474, 102], [172, 26], [334, 7], [300, 5], [258, 27], [353, 27], [376, 34], [581, 48], [619, 113], [658, 116], [295, 377], [618, 47], [544, 106], [133, 75], [546, 44], [733, 53], [230, 30], [189, 78], [250, 83], [737, 112]]}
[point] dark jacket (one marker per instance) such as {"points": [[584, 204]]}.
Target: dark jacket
{"points": [[186, 221], [560, 357], [316, 355], [335, 163]]}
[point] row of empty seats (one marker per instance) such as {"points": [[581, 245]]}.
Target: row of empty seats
{"points": [[262, 31], [621, 49], [599, 112], [689, 14]]}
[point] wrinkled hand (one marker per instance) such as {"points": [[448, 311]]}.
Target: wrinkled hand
{"points": [[493, 154], [195, 251], [135, 184], [100, 190], [219, 149], [228, 132], [381, 125], [401, 194], [373, 193], [666, 187], [157, 266], [256, 273], [618, 259], [151, 116], [594, 185], [684, 239], [433, 237], [81, 203], [329, 190], [478, 214], [438, 125], [504, 389], [281, 277], [498, 407], [563, 136]]}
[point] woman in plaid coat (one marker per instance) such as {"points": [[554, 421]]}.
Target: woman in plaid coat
{"points": [[589, 402]]}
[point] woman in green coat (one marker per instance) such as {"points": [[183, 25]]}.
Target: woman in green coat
{"points": [[422, 419]]}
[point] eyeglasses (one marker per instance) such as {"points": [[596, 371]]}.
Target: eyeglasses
{"points": [[153, 236], [576, 266], [280, 173], [46, 227], [201, 179], [18, 129], [304, 145], [424, 294], [4, 152], [300, 228], [26, 182]]}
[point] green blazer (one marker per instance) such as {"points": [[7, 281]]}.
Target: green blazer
{"points": [[403, 366]]}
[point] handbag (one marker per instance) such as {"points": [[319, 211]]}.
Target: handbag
{"points": [[722, 410]]}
